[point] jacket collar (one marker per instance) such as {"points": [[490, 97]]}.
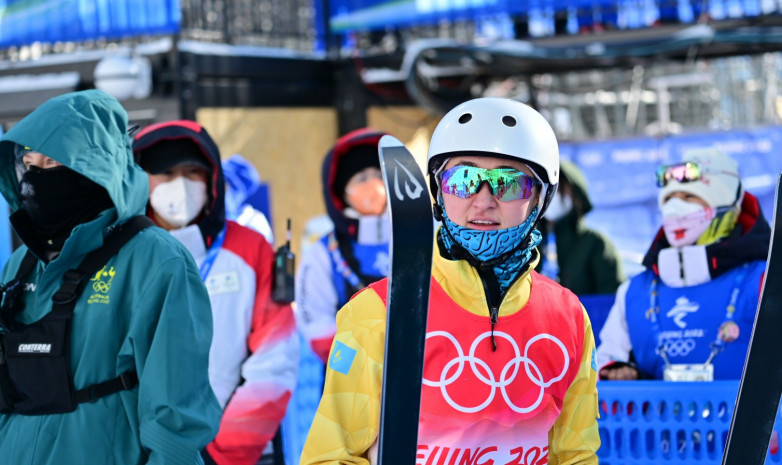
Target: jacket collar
{"points": [[461, 282]]}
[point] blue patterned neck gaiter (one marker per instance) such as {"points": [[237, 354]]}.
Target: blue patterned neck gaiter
{"points": [[488, 245]]}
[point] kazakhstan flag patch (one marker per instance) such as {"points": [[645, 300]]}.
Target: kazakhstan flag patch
{"points": [[341, 358], [594, 359]]}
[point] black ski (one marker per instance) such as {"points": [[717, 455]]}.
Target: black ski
{"points": [[412, 226], [761, 381]]}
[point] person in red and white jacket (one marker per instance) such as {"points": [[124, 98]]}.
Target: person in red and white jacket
{"points": [[254, 353]]}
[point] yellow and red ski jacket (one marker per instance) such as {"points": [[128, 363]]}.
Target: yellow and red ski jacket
{"points": [[532, 401]]}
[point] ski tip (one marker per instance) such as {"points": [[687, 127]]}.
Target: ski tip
{"points": [[389, 141]]}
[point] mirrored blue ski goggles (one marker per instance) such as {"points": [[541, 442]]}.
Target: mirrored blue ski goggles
{"points": [[506, 183]]}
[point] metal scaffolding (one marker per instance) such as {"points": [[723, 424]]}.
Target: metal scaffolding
{"points": [[288, 24]]}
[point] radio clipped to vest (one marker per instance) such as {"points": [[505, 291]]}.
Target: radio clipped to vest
{"points": [[283, 289], [35, 373]]}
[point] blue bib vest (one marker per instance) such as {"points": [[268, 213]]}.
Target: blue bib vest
{"points": [[689, 318]]}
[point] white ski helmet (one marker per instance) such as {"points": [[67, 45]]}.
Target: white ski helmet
{"points": [[498, 127]]}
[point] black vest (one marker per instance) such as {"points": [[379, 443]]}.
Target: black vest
{"points": [[35, 374]]}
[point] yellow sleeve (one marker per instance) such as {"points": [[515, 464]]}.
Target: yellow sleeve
{"points": [[574, 438], [348, 417]]}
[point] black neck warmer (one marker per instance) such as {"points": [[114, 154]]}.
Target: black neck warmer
{"points": [[58, 199]]}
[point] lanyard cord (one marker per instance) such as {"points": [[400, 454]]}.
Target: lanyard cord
{"points": [[718, 345], [342, 265], [211, 255]]}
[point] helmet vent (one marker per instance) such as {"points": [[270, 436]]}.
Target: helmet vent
{"points": [[509, 121], [465, 118]]}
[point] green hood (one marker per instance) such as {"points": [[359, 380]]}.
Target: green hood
{"points": [[87, 132], [578, 183]]}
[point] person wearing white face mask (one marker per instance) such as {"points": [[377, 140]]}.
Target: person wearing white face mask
{"points": [[254, 353], [177, 194], [689, 315], [578, 257]]}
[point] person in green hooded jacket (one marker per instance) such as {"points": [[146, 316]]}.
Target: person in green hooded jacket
{"points": [[140, 330], [579, 258]]}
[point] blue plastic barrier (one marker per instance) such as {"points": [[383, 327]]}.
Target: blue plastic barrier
{"points": [[665, 423]]}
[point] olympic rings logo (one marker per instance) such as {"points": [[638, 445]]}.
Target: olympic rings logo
{"points": [[678, 347], [507, 376], [101, 286]]}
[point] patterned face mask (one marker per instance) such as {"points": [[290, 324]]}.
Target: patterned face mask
{"points": [[488, 245], [684, 222]]}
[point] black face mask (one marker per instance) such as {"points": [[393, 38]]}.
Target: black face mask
{"points": [[58, 199]]}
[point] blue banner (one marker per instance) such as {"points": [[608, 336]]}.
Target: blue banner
{"points": [[349, 15], [756, 152], [364, 15], [620, 171], [23, 22]]}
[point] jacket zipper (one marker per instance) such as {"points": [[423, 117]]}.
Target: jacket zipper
{"points": [[491, 289]]}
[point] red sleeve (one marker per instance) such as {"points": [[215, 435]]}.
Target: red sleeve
{"points": [[254, 413]]}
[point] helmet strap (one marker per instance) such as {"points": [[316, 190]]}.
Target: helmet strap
{"points": [[437, 211]]}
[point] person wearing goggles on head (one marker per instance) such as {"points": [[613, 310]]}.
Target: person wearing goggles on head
{"points": [[254, 352], [576, 256], [104, 323], [509, 374], [689, 315]]}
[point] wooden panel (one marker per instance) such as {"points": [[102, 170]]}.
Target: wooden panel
{"points": [[287, 147], [411, 125]]}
